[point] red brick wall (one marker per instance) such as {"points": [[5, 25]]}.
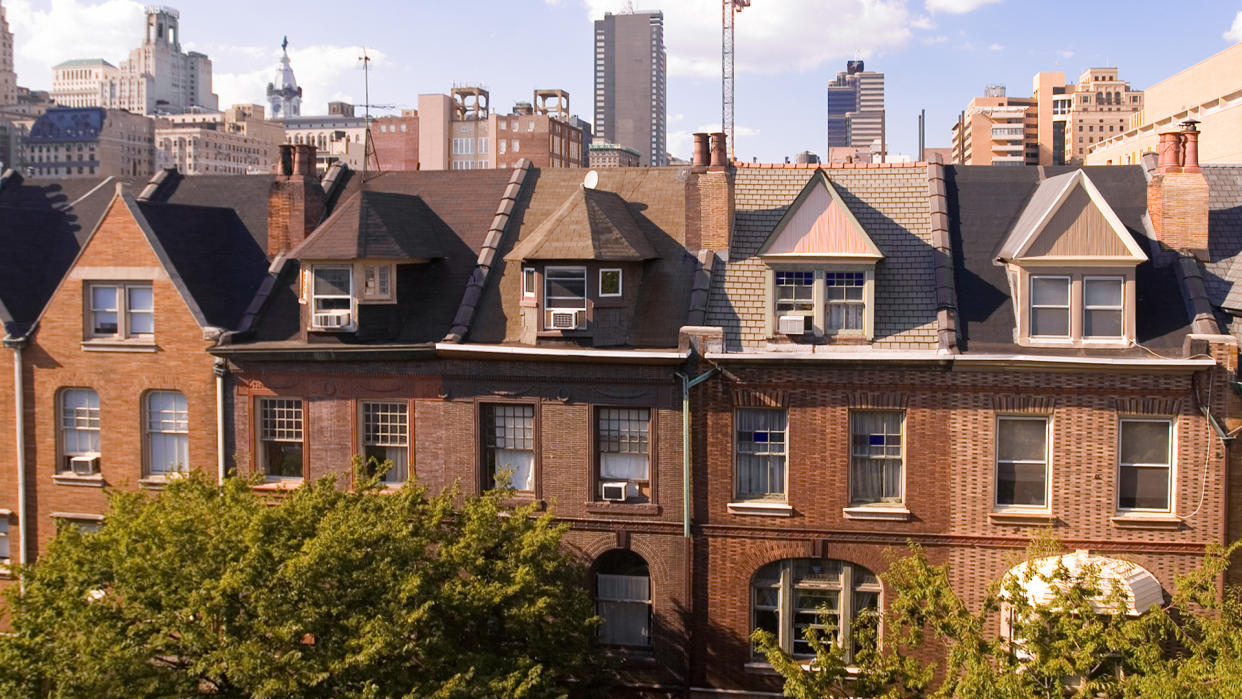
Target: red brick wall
{"points": [[395, 148]]}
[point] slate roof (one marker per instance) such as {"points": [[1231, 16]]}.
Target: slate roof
{"points": [[1224, 268], [377, 225], [592, 224], [246, 195], [985, 202], [43, 223], [67, 124]]}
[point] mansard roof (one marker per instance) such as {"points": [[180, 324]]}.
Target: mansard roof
{"points": [[592, 224], [377, 225], [819, 224]]}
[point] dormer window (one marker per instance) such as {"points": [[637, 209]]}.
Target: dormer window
{"points": [[1050, 306], [1103, 306], [847, 304], [610, 282], [377, 284], [565, 298], [332, 297]]}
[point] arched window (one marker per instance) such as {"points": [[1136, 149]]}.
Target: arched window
{"points": [[167, 431], [623, 599], [790, 596]]}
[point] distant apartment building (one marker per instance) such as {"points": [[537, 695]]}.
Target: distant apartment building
{"points": [[334, 135], [158, 78], [460, 131], [283, 94], [234, 142], [1059, 122], [394, 141], [89, 142], [613, 155], [8, 77], [1209, 92], [856, 108], [630, 78]]}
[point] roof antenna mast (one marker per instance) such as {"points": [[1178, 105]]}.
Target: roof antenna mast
{"points": [[367, 148]]}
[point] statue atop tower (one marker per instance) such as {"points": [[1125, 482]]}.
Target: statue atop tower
{"points": [[283, 94]]}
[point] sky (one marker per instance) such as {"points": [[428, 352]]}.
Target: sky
{"points": [[936, 54]]}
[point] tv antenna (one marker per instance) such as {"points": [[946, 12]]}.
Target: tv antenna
{"points": [[367, 149]]}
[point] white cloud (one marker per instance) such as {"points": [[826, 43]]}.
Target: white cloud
{"points": [[957, 7], [995, 47], [71, 29], [325, 73], [1235, 30], [1066, 53], [933, 40], [776, 37], [923, 22]]}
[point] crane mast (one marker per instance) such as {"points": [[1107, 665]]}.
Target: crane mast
{"points": [[729, 8]]}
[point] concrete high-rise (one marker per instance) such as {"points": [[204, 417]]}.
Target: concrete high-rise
{"points": [[997, 130], [856, 108], [8, 78], [630, 74]]}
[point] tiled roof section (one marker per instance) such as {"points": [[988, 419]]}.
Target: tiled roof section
{"points": [[377, 225], [591, 225], [657, 196], [219, 263], [43, 224], [891, 203], [984, 204], [1224, 268], [246, 195], [61, 125]]}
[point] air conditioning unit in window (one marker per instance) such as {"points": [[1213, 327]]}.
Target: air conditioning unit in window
{"points": [[564, 320], [616, 491], [84, 465], [332, 319], [792, 325]]}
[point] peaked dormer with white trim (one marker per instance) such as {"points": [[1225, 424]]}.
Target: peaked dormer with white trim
{"points": [[820, 261], [1070, 263]]}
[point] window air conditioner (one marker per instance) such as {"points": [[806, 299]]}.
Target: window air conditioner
{"points": [[564, 320], [332, 319], [84, 465], [792, 325], [616, 491]]}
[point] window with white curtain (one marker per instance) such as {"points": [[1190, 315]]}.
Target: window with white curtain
{"points": [[875, 456], [509, 444], [385, 437], [79, 425], [759, 447], [624, 448], [168, 438], [623, 599]]}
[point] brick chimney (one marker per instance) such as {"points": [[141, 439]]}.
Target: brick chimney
{"points": [[1177, 193], [296, 201], [709, 196]]}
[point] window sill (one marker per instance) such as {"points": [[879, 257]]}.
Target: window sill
{"points": [[278, 484], [160, 481], [521, 500], [1136, 520], [119, 346], [649, 509], [95, 481], [762, 508], [895, 513], [1031, 517]]}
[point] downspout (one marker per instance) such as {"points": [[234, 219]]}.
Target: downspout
{"points": [[687, 383], [220, 370], [19, 419]]}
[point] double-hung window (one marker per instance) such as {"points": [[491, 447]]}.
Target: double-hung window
{"points": [[1103, 311], [280, 437], [1022, 462], [875, 456], [385, 438], [795, 292], [846, 301], [564, 297], [1050, 306], [834, 597], [121, 310], [759, 453], [79, 427], [332, 296], [1145, 465], [168, 433], [624, 448], [509, 444]]}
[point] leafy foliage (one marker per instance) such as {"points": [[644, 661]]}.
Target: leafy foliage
{"points": [[219, 590], [1079, 643]]}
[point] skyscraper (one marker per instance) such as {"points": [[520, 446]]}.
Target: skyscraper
{"points": [[630, 72], [8, 78], [856, 107]]}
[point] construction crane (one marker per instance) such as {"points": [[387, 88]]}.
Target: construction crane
{"points": [[729, 9]]}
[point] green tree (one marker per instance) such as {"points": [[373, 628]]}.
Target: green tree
{"points": [[224, 591]]}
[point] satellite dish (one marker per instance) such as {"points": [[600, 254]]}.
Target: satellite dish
{"points": [[591, 180]]}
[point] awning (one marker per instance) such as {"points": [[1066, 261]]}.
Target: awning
{"points": [[1140, 588]]}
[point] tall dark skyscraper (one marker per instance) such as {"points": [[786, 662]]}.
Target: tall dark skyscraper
{"points": [[856, 107], [630, 74]]}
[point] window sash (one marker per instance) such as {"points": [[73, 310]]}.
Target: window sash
{"points": [[329, 293], [168, 438], [121, 310], [623, 437], [1102, 316], [795, 292], [759, 452], [1021, 479], [385, 437], [876, 452], [509, 443], [845, 300], [1050, 317], [1144, 479], [564, 287], [79, 420], [280, 436], [786, 597]]}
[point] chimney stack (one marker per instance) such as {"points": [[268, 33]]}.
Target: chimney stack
{"points": [[698, 161], [1177, 194], [720, 152], [709, 196], [296, 201]]}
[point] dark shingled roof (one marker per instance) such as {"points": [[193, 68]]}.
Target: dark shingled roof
{"points": [[246, 195], [377, 225], [590, 225], [43, 224], [1224, 268], [984, 204]]}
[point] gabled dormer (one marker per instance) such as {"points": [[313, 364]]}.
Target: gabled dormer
{"points": [[820, 262], [354, 258], [1070, 263], [582, 269]]}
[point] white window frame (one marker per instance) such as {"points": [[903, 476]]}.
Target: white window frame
{"points": [[1121, 309], [1170, 479], [550, 302], [769, 494], [174, 423], [997, 505], [315, 298], [389, 433], [629, 441], [121, 292], [279, 434], [376, 276], [529, 281], [901, 478], [85, 420], [620, 281], [1068, 307], [846, 302]]}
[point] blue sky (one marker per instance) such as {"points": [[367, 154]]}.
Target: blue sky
{"points": [[937, 54]]}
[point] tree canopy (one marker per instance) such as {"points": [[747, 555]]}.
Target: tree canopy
{"points": [[224, 591]]}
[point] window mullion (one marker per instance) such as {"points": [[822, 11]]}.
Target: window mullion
{"points": [[845, 612], [786, 611]]}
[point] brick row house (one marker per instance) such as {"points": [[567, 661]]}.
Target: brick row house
{"points": [[959, 356]]}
